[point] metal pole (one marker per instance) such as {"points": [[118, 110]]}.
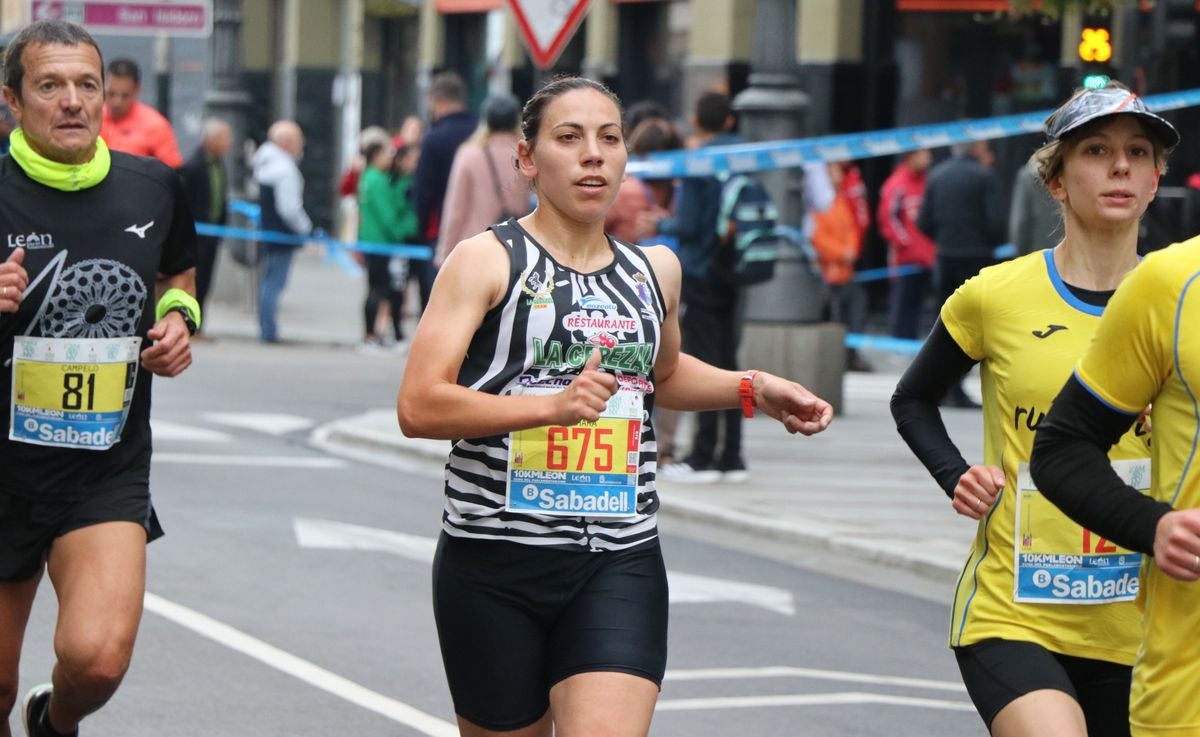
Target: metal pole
{"points": [[773, 107], [225, 97]]}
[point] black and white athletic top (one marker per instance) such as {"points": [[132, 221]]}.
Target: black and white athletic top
{"points": [[536, 340]]}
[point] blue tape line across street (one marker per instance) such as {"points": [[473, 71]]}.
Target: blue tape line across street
{"points": [[748, 157], [407, 250], [883, 343]]}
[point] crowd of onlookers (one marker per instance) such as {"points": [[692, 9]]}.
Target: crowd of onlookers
{"points": [[436, 186]]}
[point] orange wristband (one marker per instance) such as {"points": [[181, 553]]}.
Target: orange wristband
{"points": [[746, 392]]}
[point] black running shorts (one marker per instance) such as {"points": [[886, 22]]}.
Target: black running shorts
{"points": [[28, 527], [513, 620], [997, 671]]}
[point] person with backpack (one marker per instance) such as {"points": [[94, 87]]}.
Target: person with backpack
{"points": [[712, 321]]}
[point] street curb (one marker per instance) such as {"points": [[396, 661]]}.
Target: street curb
{"points": [[821, 537], [350, 438]]}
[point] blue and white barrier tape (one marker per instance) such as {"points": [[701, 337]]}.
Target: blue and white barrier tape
{"points": [[856, 341], [768, 155], [408, 250]]}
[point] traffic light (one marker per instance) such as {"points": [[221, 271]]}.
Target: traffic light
{"points": [[1095, 45]]}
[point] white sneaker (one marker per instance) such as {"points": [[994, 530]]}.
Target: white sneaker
{"points": [[370, 348], [683, 473]]}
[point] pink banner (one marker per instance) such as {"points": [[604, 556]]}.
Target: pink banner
{"points": [[190, 19]]}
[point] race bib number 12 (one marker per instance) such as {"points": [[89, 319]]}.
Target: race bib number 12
{"points": [[1059, 562], [588, 469], [72, 393]]}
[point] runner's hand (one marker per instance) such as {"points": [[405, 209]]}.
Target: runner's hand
{"points": [[587, 396], [171, 352], [13, 281], [1177, 544], [797, 408], [976, 490]]}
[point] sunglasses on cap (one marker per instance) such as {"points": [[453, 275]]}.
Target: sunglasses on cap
{"points": [[1092, 104]]}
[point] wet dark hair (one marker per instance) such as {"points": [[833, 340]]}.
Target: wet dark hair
{"points": [[535, 109], [60, 32], [127, 68], [712, 110]]}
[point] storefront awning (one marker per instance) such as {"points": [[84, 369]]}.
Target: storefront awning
{"points": [[467, 6], [953, 6]]}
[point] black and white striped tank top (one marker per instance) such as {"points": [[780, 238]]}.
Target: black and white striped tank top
{"points": [[540, 336]]}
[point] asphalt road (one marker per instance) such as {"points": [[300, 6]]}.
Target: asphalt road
{"points": [[291, 593]]}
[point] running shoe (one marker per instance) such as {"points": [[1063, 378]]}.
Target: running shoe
{"points": [[33, 712], [733, 472], [685, 473]]}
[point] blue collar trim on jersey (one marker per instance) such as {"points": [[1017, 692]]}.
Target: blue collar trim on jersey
{"points": [[1061, 287]]}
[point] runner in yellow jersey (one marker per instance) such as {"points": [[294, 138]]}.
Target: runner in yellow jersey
{"points": [[1146, 352], [1044, 626]]}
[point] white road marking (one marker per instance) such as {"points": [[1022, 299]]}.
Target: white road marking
{"points": [[167, 430], [212, 459], [264, 422], [685, 588], [330, 535], [300, 668], [830, 699], [783, 671]]}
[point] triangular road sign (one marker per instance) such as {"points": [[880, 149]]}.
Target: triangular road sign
{"points": [[547, 26]]}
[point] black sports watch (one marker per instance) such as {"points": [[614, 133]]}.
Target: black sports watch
{"points": [[192, 327]]}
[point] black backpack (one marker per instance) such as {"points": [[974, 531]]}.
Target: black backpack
{"points": [[748, 231]]}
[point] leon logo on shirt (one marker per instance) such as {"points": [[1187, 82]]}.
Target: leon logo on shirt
{"points": [[30, 241]]}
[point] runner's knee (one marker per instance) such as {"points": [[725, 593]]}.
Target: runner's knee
{"points": [[96, 663]]}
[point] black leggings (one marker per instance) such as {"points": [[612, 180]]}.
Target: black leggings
{"points": [[379, 289]]}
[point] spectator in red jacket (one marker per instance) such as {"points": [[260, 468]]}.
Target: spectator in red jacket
{"points": [[132, 126], [899, 204]]}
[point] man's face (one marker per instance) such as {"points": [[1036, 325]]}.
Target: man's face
{"points": [[61, 102], [220, 142], [122, 93]]}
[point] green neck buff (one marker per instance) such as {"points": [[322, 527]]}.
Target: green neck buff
{"points": [[55, 174]]}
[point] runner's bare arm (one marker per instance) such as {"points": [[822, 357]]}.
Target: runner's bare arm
{"points": [[171, 351], [684, 382], [432, 405]]}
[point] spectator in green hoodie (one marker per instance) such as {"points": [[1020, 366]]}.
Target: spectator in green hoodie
{"points": [[385, 215]]}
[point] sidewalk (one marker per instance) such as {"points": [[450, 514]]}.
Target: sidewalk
{"points": [[854, 489]]}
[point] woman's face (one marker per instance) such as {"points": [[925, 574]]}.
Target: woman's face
{"points": [[1109, 174], [578, 158]]}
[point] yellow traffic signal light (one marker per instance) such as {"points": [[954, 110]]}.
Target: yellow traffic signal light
{"points": [[1095, 45]]}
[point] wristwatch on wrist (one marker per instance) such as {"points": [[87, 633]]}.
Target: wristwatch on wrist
{"points": [[187, 319]]}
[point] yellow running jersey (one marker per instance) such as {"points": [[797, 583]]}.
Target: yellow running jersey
{"points": [[1147, 349], [1033, 575]]}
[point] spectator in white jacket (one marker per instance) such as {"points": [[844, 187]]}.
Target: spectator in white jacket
{"points": [[281, 197]]}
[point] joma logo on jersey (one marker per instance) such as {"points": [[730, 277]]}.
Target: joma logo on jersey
{"points": [[31, 241], [1051, 329], [624, 357]]}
